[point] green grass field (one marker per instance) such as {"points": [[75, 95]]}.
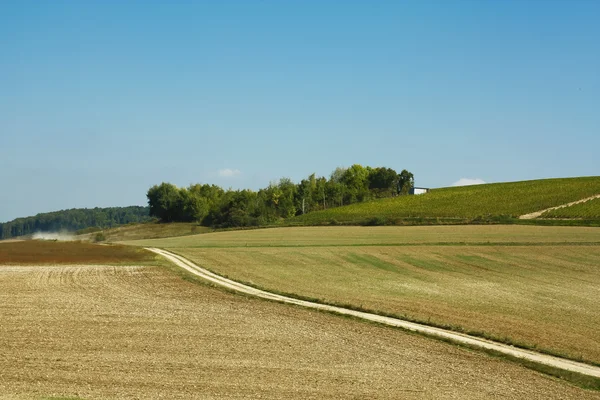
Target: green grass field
{"points": [[534, 286], [460, 204], [313, 236], [588, 210]]}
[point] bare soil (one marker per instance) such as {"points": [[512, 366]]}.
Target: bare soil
{"points": [[34, 252], [107, 332]]}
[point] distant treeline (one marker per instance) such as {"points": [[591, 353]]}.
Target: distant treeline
{"points": [[74, 219], [210, 205]]}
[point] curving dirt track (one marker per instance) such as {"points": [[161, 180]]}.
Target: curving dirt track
{"points": [[537, 214], [540, 358], [131, 332]]}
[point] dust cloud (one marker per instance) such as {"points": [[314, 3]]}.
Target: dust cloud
{"points": [[62, 236]]}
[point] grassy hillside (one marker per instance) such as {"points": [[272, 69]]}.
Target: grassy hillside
{"points": [[150, 230], [461, 204], [588, 210]]}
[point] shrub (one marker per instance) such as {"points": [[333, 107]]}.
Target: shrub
{"points": [[376, 221]]}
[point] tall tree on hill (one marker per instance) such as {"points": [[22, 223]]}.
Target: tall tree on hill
{"points": [[195, 206], [165, 202], [236, 208], [305, 194], [320, 194], [356, 181], [288, 189], [383, 181], [406, 181]]}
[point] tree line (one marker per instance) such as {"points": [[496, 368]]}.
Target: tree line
{"points": [[74, 219], [211, 205]]}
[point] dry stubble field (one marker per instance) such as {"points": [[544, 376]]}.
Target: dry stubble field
{"points": [[124, 332], [535, 286]]}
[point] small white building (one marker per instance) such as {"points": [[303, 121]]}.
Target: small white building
{"points": [[418, 190]]}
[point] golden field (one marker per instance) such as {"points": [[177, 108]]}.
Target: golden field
{"points": [[538, 287], [123, 332], [380, 235]]}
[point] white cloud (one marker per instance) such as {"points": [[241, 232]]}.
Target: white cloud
{"points": [[468, 182], [228, 172]]}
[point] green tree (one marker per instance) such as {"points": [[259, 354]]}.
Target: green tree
{"points": [[383, 182], [406, 181], [305, 194], [287, 193], [335, 193], [195, 206], [209, 204], [356, 181], [165, 202]]}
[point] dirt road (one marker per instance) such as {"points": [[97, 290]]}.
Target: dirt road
{"points": [[537, 214], [556, 362], [131, 332]]}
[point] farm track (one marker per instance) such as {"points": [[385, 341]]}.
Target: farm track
{"points": [[128, 332], [463, 339], [537, 214]]}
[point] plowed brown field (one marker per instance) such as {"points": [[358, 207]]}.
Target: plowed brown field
{"points": [[100, 332], [35, 252]]}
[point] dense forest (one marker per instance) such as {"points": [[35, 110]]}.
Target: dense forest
{"points": [[74, 219], [210, 205]]}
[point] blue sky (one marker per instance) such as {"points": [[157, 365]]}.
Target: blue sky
{"points": [[99, 100]]}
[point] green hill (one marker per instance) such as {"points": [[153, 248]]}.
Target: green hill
{"points": [[588, 210], [489, 202], [147, 230]]}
